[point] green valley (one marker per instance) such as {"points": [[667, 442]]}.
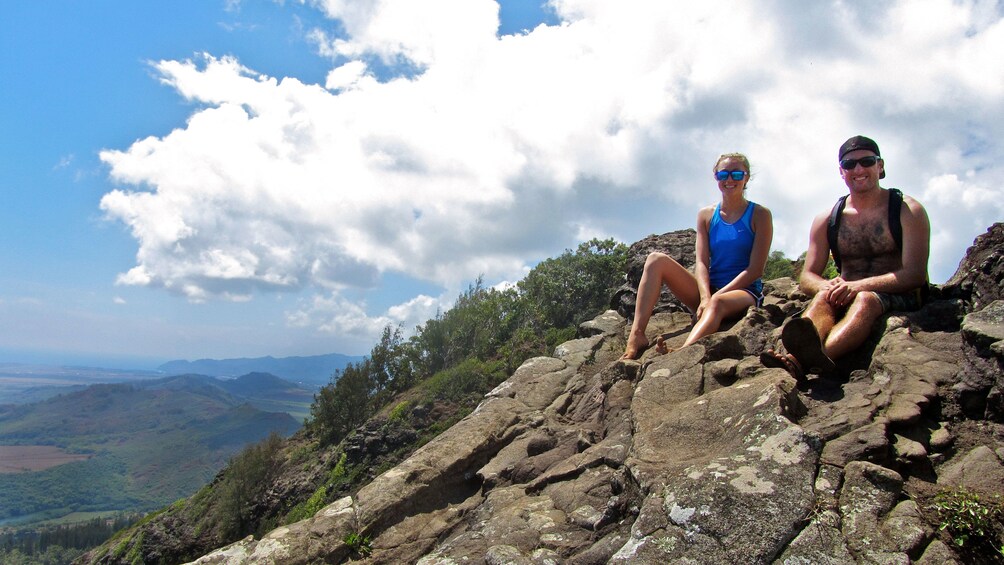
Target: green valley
{"points": [[134, 446]]}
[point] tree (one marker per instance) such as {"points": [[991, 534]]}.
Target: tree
{"points": [[247, 476], [392, 365], [829, 271], [487, 333], [575, 286], [778, 266], [344, 404]]}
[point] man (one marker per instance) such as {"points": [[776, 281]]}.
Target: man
{"points": [[882, 266]]}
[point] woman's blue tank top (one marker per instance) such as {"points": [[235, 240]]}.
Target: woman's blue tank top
{"points": [[731, 245]]}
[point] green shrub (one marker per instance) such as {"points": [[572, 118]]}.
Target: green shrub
{"points": [[399, 412], [342, 405], [778, 266], [554, 337], [122, 547], [135, 555], [576, 286], [244, 481], [358, 543], [969, 518], [830, 271], [338, 474], [469, 378], [301, 454], [309, 507]]}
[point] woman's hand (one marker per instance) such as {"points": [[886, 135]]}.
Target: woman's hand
{"points": [[701, 307]]}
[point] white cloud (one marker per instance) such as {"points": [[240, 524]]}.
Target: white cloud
{"points": [[964, 206], [350, 75], [427, 33], [333, 314], [493, 152]]}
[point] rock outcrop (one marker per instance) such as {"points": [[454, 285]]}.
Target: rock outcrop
{"points": [[698, 456]]}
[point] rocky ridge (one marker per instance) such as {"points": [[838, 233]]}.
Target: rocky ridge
{"points": [[701, 455]]}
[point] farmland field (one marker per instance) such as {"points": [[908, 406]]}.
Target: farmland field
{"points": [[26, 458]]}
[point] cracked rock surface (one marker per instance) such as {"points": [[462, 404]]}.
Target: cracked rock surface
{"points": [[701, 455]]}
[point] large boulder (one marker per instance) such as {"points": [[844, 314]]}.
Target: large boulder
{"points": [[678, 245], [979, 279]]}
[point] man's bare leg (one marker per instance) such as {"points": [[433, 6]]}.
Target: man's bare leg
{"points": [[804, 339], [823, 316], [853, 329]]}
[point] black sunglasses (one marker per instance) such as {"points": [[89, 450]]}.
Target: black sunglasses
{"points": [[848, 164], [736, 175]]}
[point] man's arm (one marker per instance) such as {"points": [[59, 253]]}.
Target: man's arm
{"points": [[916, 243], [811, 280]]}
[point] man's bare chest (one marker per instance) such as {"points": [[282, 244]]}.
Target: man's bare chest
{"points": [[866, 243]]}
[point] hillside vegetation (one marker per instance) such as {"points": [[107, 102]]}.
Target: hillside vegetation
{"points": [[377, 411]]}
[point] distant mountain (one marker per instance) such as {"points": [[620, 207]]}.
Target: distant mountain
{"points": [[254, 385], [22, 383], [134, 446], [268, 392], [264, 391], [314, 370]]}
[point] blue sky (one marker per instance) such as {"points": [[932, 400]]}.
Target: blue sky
{"points": [[237, 179]]}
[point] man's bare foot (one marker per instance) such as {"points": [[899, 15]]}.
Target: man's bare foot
{"points": [[636, 345], [786, 361]]}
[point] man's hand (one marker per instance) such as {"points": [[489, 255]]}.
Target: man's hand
{"points": [[839, 292]]}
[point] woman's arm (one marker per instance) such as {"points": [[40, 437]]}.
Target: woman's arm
{"points": [[702, 256]]}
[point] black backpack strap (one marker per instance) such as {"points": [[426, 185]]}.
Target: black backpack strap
{"points": [[895, 225], [833, 228]]}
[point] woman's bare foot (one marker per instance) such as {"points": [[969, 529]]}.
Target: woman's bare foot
{"points": [[636, 345], [660, 346]]}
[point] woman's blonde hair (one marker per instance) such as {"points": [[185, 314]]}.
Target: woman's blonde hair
{"points": [[745, 160]]}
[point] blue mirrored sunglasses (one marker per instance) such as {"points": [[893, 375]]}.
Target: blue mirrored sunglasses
{"points": [[736, 175]]}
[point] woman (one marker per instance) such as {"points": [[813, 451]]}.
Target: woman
{"points": [[733, 239]]}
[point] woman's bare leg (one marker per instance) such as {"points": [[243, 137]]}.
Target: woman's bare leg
{"points": [[719, 308], [659, 269]]}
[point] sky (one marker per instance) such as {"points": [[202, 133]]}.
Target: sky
{"points": [[216, 179]]}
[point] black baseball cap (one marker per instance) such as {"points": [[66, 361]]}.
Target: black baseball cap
{"points": [[861, 142]]}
